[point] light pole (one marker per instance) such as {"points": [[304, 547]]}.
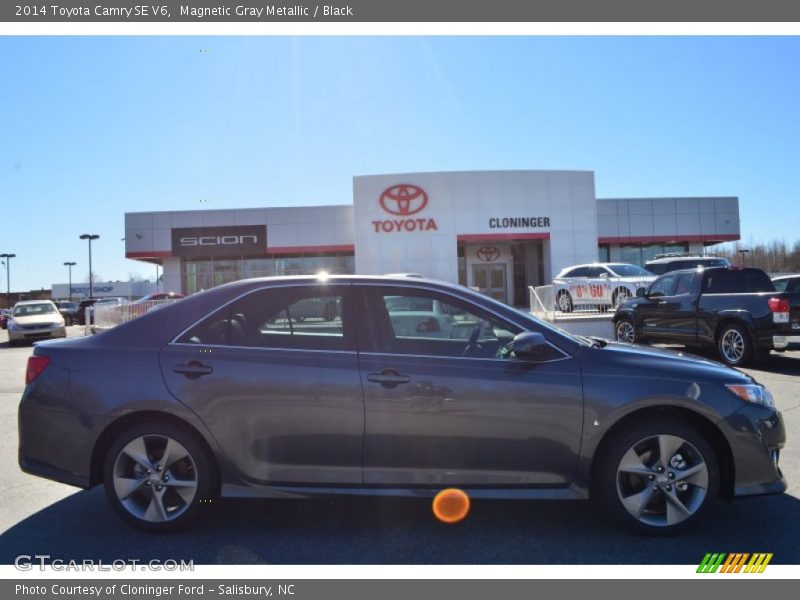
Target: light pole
{"points": [[90, 237], [8, 258], [743, 252], [70, 265]]}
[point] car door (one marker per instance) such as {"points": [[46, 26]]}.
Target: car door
{"points": [[274, 375], [446, 405], [653, 313]]}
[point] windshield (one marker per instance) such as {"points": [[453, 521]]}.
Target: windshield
{"points": [[629, 271], [29, 310]]}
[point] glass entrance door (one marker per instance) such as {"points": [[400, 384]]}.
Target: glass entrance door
{"points": [[490, 280]]}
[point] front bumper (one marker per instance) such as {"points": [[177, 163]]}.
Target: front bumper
{"points": [[756, 436], [31, 335]]}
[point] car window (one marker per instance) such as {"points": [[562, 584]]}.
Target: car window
{"points": [[453, 328], [577, 272], [657, 269], [684, 285], [662, 286], [30, 310], [737, 281], [596, 272], [780, 284], [295, 317], [624, 270]]}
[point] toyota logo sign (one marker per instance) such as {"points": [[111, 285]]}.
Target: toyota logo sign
{"points": [[488, 253], [403, 200]]}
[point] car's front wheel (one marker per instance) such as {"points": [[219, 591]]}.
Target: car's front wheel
{"points": [[624, 331], [657, 477], [157, 476]]}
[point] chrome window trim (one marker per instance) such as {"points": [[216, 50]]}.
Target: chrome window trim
{"points": [[563, 356], [188, 345]]}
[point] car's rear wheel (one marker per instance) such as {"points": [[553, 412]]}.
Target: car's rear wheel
{"points": [[564, 301], [624, 331], [657, 477], [157, 476], [734, 345]]}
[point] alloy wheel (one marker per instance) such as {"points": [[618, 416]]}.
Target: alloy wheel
{"points": [[155, 478], [662, 480], [625, 332], [732, 346]]}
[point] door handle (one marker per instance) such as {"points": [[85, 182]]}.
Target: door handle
{"points": [[388, 378], [193, 369]]}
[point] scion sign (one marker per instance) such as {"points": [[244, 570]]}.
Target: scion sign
{"points": [[219, 241]]}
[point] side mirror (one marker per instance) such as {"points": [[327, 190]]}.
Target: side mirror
{"points": [[641, 292], [528, 343]]}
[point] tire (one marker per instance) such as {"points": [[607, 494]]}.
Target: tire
{"points": [[619, 296], [734, 345], [625, 331], [564, 301], [666, 504], [134, 492]]}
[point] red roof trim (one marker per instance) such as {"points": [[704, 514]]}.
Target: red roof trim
{"points": [[150, 254]]}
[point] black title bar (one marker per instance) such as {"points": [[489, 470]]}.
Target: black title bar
{"points": [[257, 11]]}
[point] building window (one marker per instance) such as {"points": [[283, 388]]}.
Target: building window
{"points": [[604, 253], [638, 254], [202, 274]]}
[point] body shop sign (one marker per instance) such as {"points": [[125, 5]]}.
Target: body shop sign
{"points": [[219, 241]]}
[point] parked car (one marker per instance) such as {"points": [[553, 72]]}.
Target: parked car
{"points": [[33, 320], [230, 392], [160, 296], [787, 283], [596, 286], [665, 263], [84, 304], [4, 314], [733, 309], [68, 310]]}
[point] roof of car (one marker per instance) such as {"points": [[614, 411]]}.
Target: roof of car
{"points": [[782, 277], [28, 302], [668, 259]]}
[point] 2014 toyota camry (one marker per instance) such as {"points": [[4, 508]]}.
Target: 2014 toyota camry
{"points": [[398, 386]]}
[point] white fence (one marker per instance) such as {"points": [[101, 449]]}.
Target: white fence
{"points": [[579, 297], [106, 316]]}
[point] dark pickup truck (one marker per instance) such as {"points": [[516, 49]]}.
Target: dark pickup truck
{"points": [[733, 309]]}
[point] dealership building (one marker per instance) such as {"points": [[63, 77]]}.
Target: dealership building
{"points": [[497, 231]]}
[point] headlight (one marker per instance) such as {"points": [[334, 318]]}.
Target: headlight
{"points": [[752, 392], [12, 325]]}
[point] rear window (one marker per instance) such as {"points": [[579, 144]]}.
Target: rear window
{"points": [[729, 281]]}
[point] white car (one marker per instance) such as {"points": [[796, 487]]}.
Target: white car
{"points": [[33, 320], [599, 286]]}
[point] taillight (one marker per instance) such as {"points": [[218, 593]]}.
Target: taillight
{"points": [[780, 309], [36, 364]]}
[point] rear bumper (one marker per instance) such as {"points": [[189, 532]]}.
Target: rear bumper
{"points": [[786, 342]]}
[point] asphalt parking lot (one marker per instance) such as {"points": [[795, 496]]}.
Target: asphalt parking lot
{"points": [[42, 517]]}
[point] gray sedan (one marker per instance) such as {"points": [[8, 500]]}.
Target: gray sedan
{"points": [[247, 390]]}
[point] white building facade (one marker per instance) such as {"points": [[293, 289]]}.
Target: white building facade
{"points": [[497, 231]]}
